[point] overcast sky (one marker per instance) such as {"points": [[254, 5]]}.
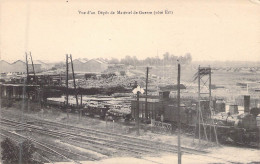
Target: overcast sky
{"points": [[208, 29]]}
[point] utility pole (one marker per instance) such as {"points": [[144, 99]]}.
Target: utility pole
{"points": [[33, 68], [27, 82], [75, 88], [81, 100], [27, 69], [67, 86], [137, 91], [210, 104], [179, 115], [137, 115], [81, 105], [146, 90], [199, 99]]}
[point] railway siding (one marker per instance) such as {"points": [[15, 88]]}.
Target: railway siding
{"points": [[75, 143]]}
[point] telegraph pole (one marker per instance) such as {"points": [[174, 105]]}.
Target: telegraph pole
{"points": [[137, 91], [137, 115], [33, 67], [179, 115], [210, 104], [67, 86], [199, 99], [27, 82], [27, 69], [73, 75], [146, 86], [81, 105]]}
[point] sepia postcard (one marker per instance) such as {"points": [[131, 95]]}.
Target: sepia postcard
{"points": [[135, 81]]}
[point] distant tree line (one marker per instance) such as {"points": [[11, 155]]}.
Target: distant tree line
{"points": [[168, 59]]}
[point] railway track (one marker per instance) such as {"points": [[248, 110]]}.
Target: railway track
{"points": [[41, 152], [44, 147], [91, 138], [106, 143], [126, 139], [133, 148], [117, 141]]}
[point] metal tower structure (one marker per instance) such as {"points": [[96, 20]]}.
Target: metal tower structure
{"points": [[205, 104], [29, 55], [67, 83]]}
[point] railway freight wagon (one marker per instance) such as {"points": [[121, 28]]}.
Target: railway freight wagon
{"points": [[55, 103], [154, 108], [187, 113], [165, 109], [95, 110], [117, 112]]}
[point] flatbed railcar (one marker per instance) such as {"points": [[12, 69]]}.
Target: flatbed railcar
{"points": [[93, 109], [55, 103]]}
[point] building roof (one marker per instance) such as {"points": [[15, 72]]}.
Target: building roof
{"points": [[171, 87], [82, 60], [102, 60], [98, 60], [16, 61], [11, 61], [3, 61]]}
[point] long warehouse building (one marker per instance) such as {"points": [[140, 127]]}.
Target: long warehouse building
{"points": [[18, 66]]}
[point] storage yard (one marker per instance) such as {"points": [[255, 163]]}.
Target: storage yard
{"points": [[130, 82], [99, 117]]}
